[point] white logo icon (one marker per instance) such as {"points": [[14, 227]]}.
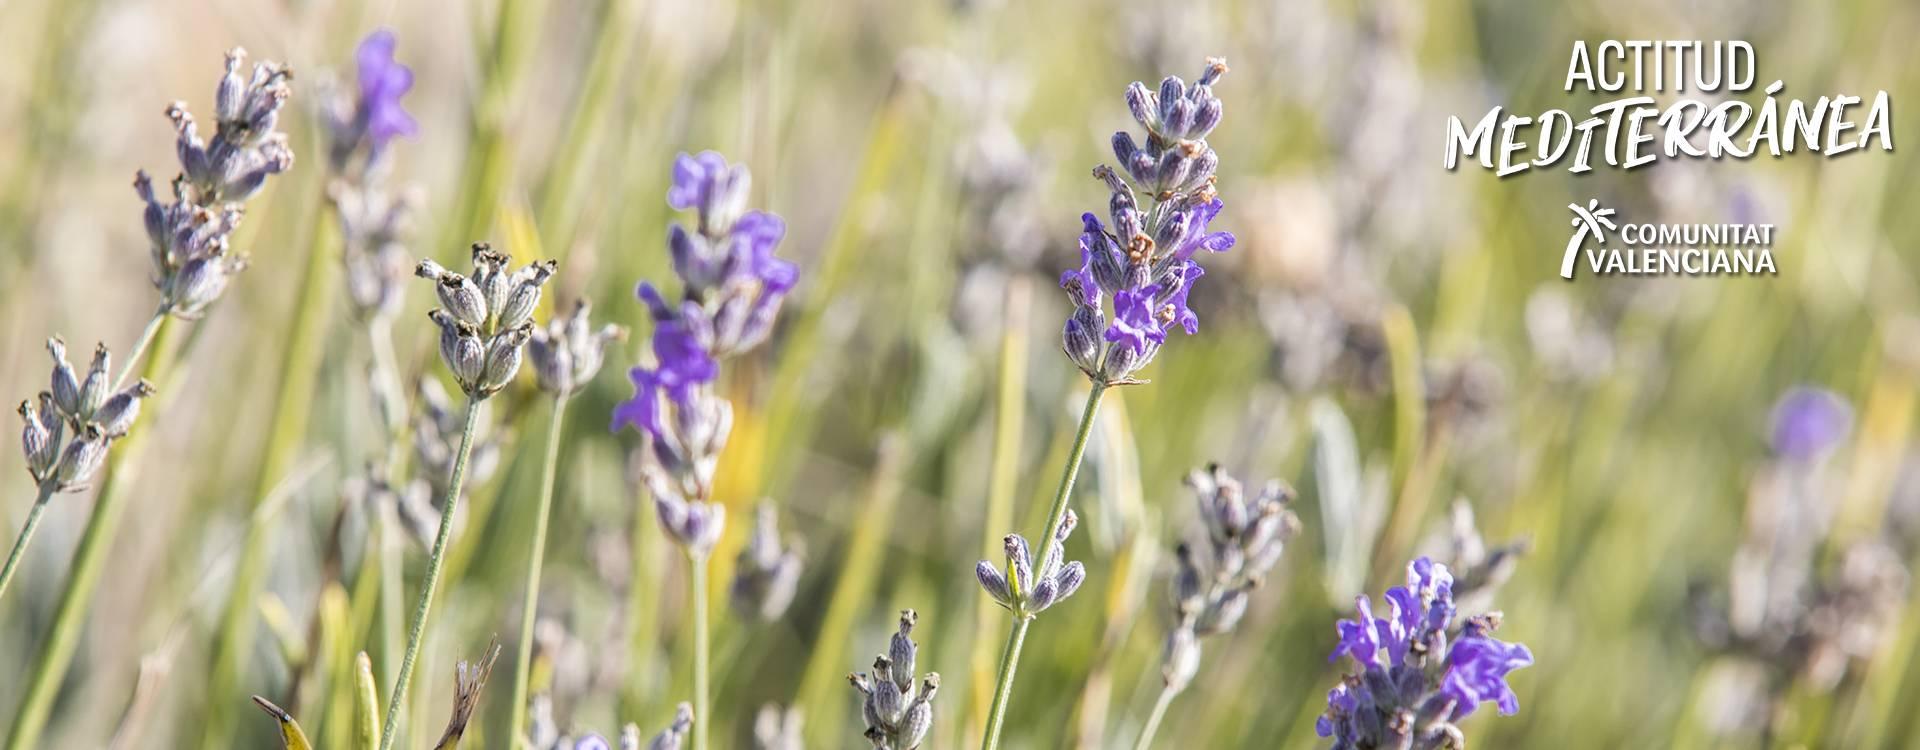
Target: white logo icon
{"points": [[1592, 220]]}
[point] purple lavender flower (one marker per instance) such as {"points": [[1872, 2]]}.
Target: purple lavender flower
{"points": [[1808, 422], [1416, 679], [383, 81], [731, 289], [1146, 263]]}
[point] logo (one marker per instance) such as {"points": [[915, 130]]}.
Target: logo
{"points": [[1664, 249]]}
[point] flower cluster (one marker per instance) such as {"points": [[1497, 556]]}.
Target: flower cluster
{"points": [[1416, 679], [189, 234], [1025, 591], [485, 318], [85, 410], [1244, 538], [1146, 261], [547, 736], [568, 352], [375, 220], [768, 571], [898, 716], [732, 287]]}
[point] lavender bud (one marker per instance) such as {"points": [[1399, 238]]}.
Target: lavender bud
{"points": [[93, 392], [1041, 596], [490, 272], [81, 459], [1172, 91], [524, 295], [1019, 563], [231, 94], [460, 348], [504, 359], [1069, 579], [38, 443], [1206, 117], [1179, 118], [995, 583], [1172, 170], [66, 386], [1124, 148], [461, 297], [889, 699], [901, 651], [1144, 106], [117, 415], [1081, 338]]}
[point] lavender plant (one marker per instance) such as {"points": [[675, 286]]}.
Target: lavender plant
{"points": [[189, 236], [767, 573], [566, 355], [731, 289], [67, 434], [484, 321], [1211, 588], [1418, 674], [1147, 264], [898, 715]]}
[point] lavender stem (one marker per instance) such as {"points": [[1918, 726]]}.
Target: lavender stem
{"points": [[1010, 658], [417, 631], [26, 534], [530, 604]]}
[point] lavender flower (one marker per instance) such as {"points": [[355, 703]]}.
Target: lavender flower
{"points": [[768, 571], [568, 352], [68, 428], [486, 318], [189, 234], [1024, 590], [898, 716], [1146, 262], [732, 283], [731, 288], [1244, 538], [361, 120], [1808, 422], [1416, 679]]}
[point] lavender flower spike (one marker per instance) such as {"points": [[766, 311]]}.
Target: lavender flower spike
{"points": [[1027, 590], [1145, 262], [1418, 675], [382, 82], [898, 713]]}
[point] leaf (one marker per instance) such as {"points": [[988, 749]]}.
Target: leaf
{"points": [[366, 706], [290, 735]]}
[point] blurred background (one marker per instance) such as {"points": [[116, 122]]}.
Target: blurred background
{"points": [[1389, 338]]}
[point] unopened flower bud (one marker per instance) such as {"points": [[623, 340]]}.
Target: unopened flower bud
{"points": [[81, 459], [66, 385], [117, 415], [93, 391]]}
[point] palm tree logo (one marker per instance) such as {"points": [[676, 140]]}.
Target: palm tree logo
{"points": [[1592, 220]]}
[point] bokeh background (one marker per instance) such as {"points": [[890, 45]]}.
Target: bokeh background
{"points": [[1388, 337]]}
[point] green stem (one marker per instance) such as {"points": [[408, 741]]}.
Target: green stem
{"points": [[140, 346], [1010, 658], [702, 646], [418, 629], [530, 604], [89, 561], [1153, 719], [26, 535]]}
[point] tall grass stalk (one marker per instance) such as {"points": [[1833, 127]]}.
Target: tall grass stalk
{"points": [[1010, 656], [293, 406], [417, 631], [530, 603], [26, 535], [89, 561]]}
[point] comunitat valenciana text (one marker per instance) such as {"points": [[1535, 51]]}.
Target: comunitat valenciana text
{"points": [[1634, 131]]}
